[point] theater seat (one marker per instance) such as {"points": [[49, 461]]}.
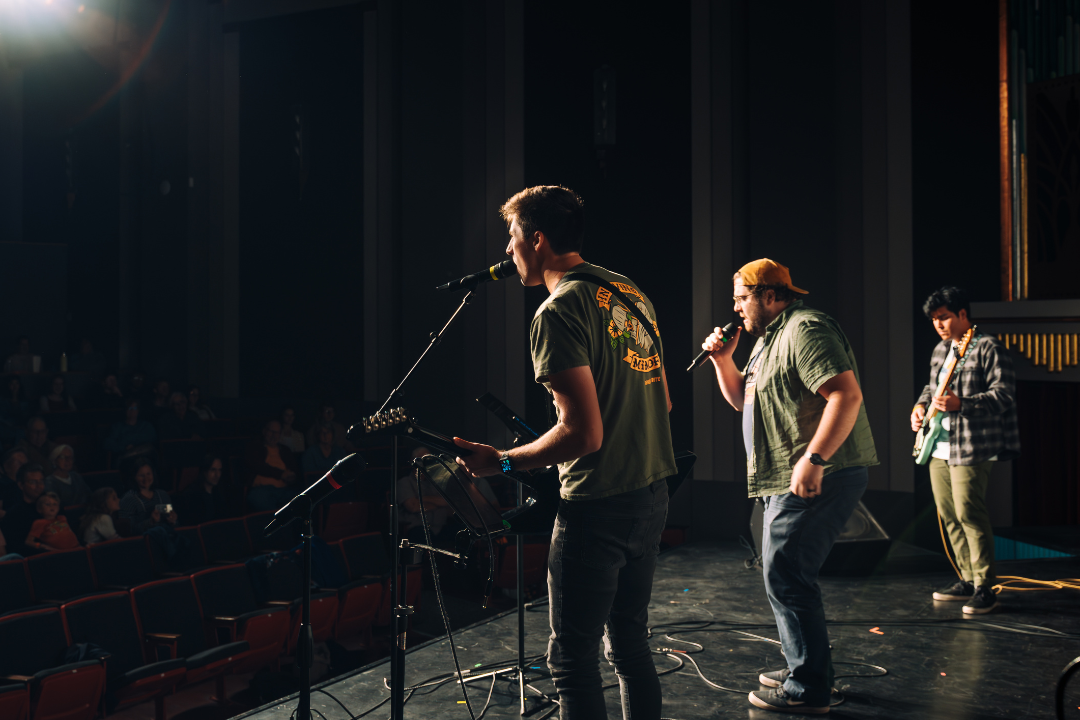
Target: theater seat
{"points": [[57, 690], [360, 598], [228, 603], [107, 621], [14, 702], [122, 563], [61, 575], [168, 611], [15, 593], [225, 540], [285, 585]]}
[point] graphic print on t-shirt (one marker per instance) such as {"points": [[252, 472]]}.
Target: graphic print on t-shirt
{"points": [[624, 327]]}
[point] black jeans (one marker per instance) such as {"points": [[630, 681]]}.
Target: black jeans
{"points": [[600, 573]]}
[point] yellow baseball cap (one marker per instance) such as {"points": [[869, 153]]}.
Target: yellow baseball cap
{"points": [[767, 272]]}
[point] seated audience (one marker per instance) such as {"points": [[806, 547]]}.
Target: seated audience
{"points": [[22, 361], [159, 400], [132, 436], [67, 484], [136, 386], [326, 416], [20, 517], [203, 502], [290, 437], [4, 554], [197, 406], [145, 506], [99, 522], [52, 531], [57, 400], [109, 395], [180, 423], [37, 444], [273, 467], [319, 458], [9, 488], [13, 410], [87, 360]]}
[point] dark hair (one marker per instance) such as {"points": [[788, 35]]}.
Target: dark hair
{"points": [[132, 467], [95, 508], [782, 292], [952, 298], [15, 451], [27, 469], [553, 210], [207, 461]]}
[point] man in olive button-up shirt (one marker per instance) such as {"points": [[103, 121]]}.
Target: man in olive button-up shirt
{"points": [[808, 446]]}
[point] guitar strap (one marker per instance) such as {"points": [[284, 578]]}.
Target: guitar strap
{"points": [[640, 316], [961, 361]]}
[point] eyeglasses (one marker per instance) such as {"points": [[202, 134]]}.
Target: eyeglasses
{"points": [[738, 299]]}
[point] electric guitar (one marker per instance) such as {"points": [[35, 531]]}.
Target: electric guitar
{"points": [[927, 436], [398, 422]]}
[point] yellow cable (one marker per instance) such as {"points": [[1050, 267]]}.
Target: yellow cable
{"points": [[1062, 584]]}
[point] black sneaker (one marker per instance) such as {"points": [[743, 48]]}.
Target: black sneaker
{"points": [[983, 601], [779, 701], [773, 679], [959, 590]]}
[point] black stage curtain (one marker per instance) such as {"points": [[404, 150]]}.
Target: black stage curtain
{"points": [[1048, 470]]}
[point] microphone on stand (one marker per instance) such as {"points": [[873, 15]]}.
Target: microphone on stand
{"points": [[345, 471], [725, 335], [499, 271]]}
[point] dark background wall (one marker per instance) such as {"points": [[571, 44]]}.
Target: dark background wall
{"points": [[418, 120]]}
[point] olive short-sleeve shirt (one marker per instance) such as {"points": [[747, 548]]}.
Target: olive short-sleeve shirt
{"points": [[802, 348], [581, 324]]}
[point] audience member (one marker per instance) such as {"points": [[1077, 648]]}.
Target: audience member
{"points": [[132, 436], [13, 410], [20, 517], [181, 423], [145, 506], [67, 484], [109, 395], [37, 444], [99, 522], [136, 386], [159, 401], [319, 458], [273, 467], [326, 416], [52, 531], [14, 459], [57, 400], [4, 554], [203, 502], [197, 406], [21, 361], [291, 438], [87, 360]]}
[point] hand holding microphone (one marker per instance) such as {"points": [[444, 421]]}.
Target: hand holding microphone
{"points": [[723, 340]]}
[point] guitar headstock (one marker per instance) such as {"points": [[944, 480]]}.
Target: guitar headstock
{"points": [[394, 420], [965, 341]]}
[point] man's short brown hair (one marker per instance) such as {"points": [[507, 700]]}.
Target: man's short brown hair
{"points": [[551, 209]]}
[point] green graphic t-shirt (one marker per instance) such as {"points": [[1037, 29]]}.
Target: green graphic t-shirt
{"points": [[582, 324]]}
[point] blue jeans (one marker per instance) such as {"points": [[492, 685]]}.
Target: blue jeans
{"points": [[797, 537], [600, 573]]}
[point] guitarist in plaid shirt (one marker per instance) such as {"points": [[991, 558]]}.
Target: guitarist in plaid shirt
{"points": [[981, 427]]}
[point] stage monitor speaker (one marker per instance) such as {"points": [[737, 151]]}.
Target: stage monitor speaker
{"points": [[861, 547]]}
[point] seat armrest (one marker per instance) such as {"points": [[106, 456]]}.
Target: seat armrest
{"points": [[172, 637], [220, 619], [279, 603], [17, 678], [122, 588], [168, 640]]}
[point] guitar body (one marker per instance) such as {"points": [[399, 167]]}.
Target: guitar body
{"points": [[928, 435], [928, 440]]}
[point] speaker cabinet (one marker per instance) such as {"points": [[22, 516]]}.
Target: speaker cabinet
{"points": [[861, 547]]}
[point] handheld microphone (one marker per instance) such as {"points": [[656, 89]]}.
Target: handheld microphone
{"points": [[499, 271], [345, 471], [702, 356]]}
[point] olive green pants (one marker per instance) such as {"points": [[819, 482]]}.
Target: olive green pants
{"points": [[960, 494]]}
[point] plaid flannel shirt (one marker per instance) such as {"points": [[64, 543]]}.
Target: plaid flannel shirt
{"points": [[986, 423]]}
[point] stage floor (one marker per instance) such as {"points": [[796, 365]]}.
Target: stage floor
{"points": [[940, 664]]}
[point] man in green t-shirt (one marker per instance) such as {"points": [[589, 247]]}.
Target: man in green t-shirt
{"points": [[612, 442], [808, 445]]}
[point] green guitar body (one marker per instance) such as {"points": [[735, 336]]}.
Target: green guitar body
{"points": [[930, 436]]}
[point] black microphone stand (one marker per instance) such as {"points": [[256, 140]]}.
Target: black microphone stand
{"points": [[398, 582], [305, 643]]}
